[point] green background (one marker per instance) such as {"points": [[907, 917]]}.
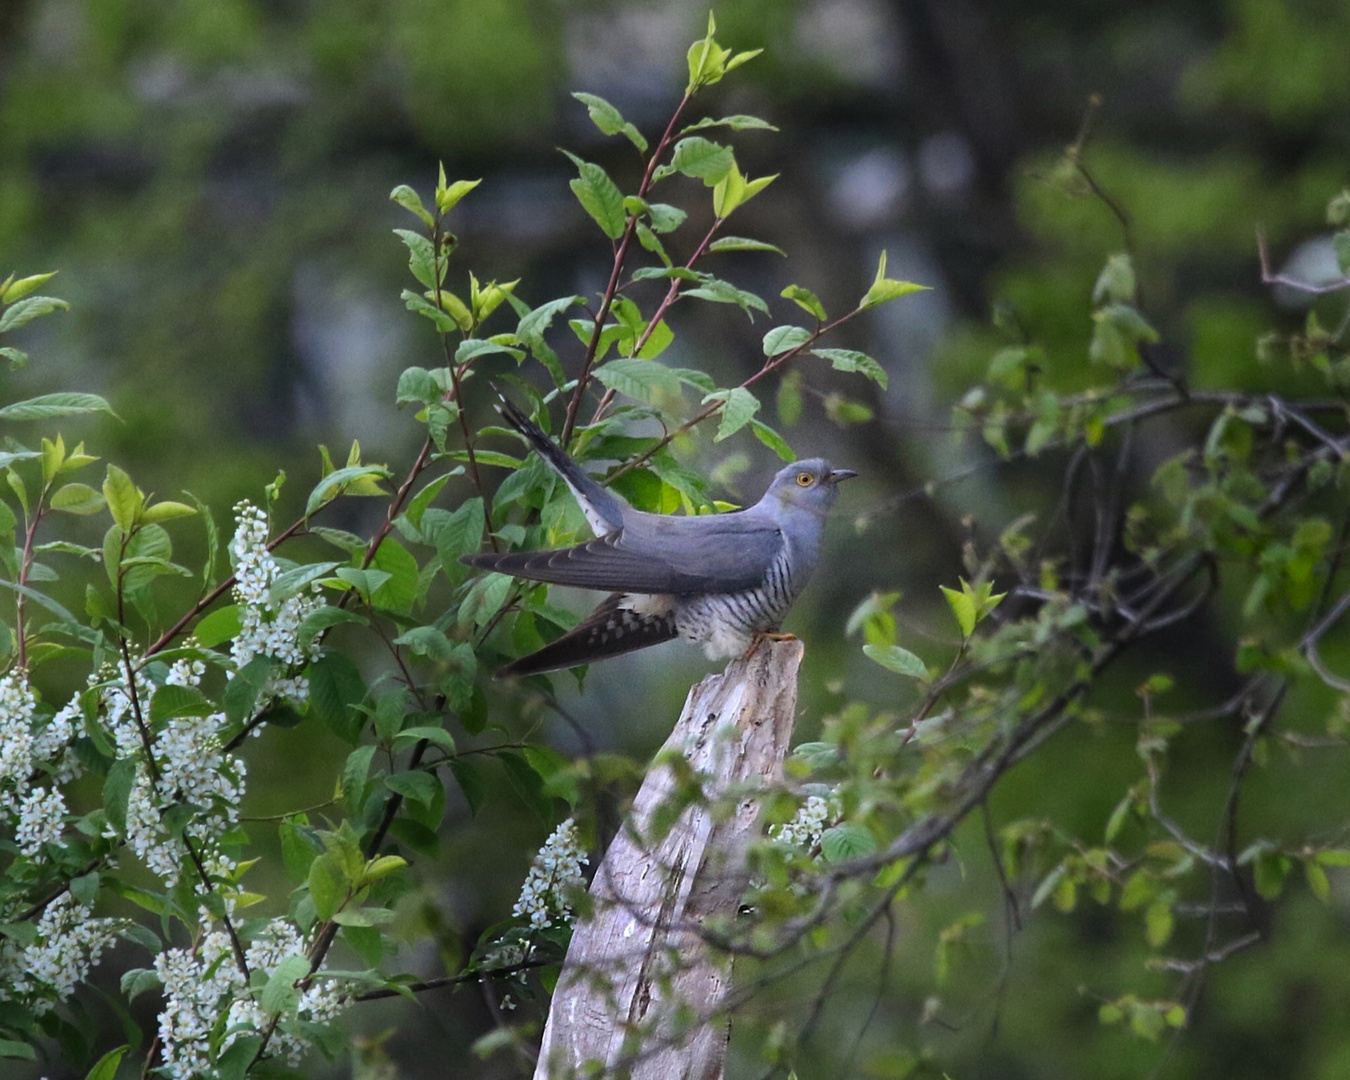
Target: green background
{"points": [[210, 177]]}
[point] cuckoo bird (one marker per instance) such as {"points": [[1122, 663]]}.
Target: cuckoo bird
{"points": [[718, 579]]}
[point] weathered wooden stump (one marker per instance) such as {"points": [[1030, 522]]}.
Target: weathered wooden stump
{"points": [[640, 989]]}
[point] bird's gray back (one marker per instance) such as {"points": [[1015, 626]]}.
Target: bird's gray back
{"points": [[724, 552]]}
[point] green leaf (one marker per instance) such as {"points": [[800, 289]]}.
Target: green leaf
{"points": [[48, 406], [1116, 283], [420, 787], [1317, 881], [773, 440], [963, 607], [383, 866], [783, 339], [234, 1062], [77, 498], [846, 841], [25, 311], [599, 197], [407, 198], [398, 593], [1158, 924], [643, 380], [123, 498], [723, 292], [422, 258], [444, 321], [805, 299], [741, 243], [455, 533], [328, 886], [105, 1068], [533, 324], [335, 688], [1269, 873], [167, 511], [884, 288], [702, 159], [472, 348], [738, 122], [117, 791], [219, 626], [448, 197], [666, 218], [171, 701], [9, 1048], [739, 406], [894, 658], [1340, 244], [322, 620], [439, 736], [339, 480], [40, 599], [734, 190], [610, 121], [852, 360], [416, 386], [280, 995], [14, 291]]}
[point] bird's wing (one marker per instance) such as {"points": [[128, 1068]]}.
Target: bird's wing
{"points": [[707, 555], [603, 510]]}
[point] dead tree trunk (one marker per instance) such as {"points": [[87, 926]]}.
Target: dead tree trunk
{"points": [[639, 992]]}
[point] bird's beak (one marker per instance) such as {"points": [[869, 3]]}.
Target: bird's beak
{"points": [[841, 474]]}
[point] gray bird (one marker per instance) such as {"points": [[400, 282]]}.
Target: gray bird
{"points": [[718, 579]]}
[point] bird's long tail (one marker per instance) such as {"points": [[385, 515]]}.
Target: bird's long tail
{"points": [[602, 509], [610, 630]]}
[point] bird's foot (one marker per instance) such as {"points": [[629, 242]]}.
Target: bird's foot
{"points": [[760, 638]]}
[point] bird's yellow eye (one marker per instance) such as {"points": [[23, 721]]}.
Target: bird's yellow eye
{"points": [[805, 479]]}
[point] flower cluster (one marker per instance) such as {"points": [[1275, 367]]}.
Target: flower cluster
{"points": [[195, 985], [807, 826], [556, 871], [17, 706], [269, 628], [42, 816], [30, 746], [203, 984], [66, 945], [190, 766]]}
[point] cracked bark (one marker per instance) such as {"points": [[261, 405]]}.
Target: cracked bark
{"points": [[639, 991]]}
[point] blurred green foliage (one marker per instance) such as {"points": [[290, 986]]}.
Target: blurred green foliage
{"points": [[210, 178]]}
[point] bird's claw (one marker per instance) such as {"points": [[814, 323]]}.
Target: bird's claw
{"points": [[760, 638]]}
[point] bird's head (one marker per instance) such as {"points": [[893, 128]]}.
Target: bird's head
{"points": [[809, 485]]}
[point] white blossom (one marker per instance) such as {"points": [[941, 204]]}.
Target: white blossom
{"points": [[556, 869], [17, 705], [268, 629], [51, 745], [41, 820], [67, 945], [202, 985], [190, 766], [807, 826], [197, 986]]}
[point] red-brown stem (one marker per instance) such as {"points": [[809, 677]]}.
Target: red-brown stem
{"points": [[612, 286], [24, 566], [672, 294], [770, 365], [395, 507]]}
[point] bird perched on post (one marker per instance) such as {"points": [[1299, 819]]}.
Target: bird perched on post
{"points": [[719, 579]]}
